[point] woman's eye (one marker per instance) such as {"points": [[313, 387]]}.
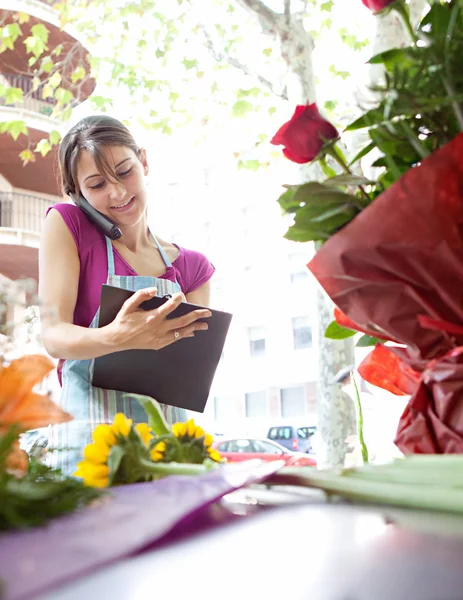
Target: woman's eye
{"points": [[98, 186], [124, 173]]}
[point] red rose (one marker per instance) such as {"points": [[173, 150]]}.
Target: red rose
{"points": [[305, 134], [377, 5]]}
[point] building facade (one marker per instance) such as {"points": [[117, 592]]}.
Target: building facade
{"points": [[26, 191], [268, 370]]}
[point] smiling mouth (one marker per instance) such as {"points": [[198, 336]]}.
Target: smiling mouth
{"points": [[119, 206]]}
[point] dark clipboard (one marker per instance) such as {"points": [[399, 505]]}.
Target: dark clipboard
{"points": [[180, 374]]}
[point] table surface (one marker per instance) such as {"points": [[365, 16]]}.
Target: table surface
{"points": [[302, 549]]}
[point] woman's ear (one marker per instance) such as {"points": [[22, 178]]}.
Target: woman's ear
{"points": [[144, 161]]}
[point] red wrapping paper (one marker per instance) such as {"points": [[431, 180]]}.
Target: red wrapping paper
{"points": [[396, 271]]}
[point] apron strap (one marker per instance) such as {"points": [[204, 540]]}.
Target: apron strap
{"points": [[162, 253], [110, 253]]}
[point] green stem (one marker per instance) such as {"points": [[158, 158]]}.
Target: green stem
{"points": [[173, 468], [455, 105], [359, 411], [333, 152], [402, 10], [414, 139]]}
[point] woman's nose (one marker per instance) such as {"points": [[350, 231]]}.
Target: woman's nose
{"points": [[117, 191]]}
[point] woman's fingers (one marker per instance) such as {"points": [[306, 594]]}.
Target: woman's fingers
{"points": [[133, 303], [174, 335], [192, 317]]}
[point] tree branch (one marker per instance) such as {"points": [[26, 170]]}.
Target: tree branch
{"points": [[267, 17], [288, 12], [237, 64]]}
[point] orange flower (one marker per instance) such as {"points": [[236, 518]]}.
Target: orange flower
{"points": [[23, 408], [19, 405], [17, 460]]}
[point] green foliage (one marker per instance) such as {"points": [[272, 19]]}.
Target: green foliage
{"points": [[419, 109], [42, 494], [337, 332]]}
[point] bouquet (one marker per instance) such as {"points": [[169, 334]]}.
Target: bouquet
{"points": [[123, 453], [392, 253]]}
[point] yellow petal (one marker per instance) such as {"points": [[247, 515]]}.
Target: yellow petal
{"points": [[96, 453], [160, 447], [98, 482], [156, 456], [191, 428], [208, 440], [90, 469], [179, 429], [103, 434], [121, 425], [199, 432], [214, 455], [145, 432]]}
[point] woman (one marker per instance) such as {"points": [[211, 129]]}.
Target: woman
{"points": [[100, 160]]}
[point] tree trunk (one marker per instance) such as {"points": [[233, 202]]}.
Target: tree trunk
{"points": [[296, 49]]}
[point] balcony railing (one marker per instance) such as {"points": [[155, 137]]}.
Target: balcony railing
{"points": [[23, 211], [32, 99]]}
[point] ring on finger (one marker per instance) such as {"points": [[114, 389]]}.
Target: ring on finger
{"points": [[176, 335]]}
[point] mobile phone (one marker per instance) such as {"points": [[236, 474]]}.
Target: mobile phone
{"points": [[97, 218]]}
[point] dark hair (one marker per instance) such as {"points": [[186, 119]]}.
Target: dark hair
{"points": [[93, 134]]}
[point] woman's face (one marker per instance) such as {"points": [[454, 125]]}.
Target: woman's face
{"points": [[123, 202]]}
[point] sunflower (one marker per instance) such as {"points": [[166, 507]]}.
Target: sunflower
{"points": [[190, 434], [157, 453], [94, 469]]}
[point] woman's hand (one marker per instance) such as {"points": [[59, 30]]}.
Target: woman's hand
{"points": [[138, 329]]}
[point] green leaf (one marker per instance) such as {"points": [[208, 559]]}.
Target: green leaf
{"points": [[305, 234], [334, 331], [241, 107], [14, 128], [367, 340], [78, 74], [287, 201], [13, 95], [251, 164], [189, 64], [40, 32], [43, 146], [54, 137], [156, 418], [315, 193], [338, 210], [363, 152], [116, 454], [46, 64], [12, 31], [63, 96], [346, 179], [401, 57]]}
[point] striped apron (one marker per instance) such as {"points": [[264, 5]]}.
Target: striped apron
{"points": [[91, 406]]}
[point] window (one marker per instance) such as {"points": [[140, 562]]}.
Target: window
{"points": [[298, 269], [293, 401], [239, 446], [281, 433], [266, 447], [256, 404], [257, 341], [302, 333]]}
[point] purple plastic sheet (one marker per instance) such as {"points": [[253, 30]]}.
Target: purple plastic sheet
{"points": [[133, 518]]}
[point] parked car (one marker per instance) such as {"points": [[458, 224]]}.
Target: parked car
{"points": [[298, 439], [239, 449]]}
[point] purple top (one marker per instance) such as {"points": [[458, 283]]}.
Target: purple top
{"points": [[191, 269]]}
